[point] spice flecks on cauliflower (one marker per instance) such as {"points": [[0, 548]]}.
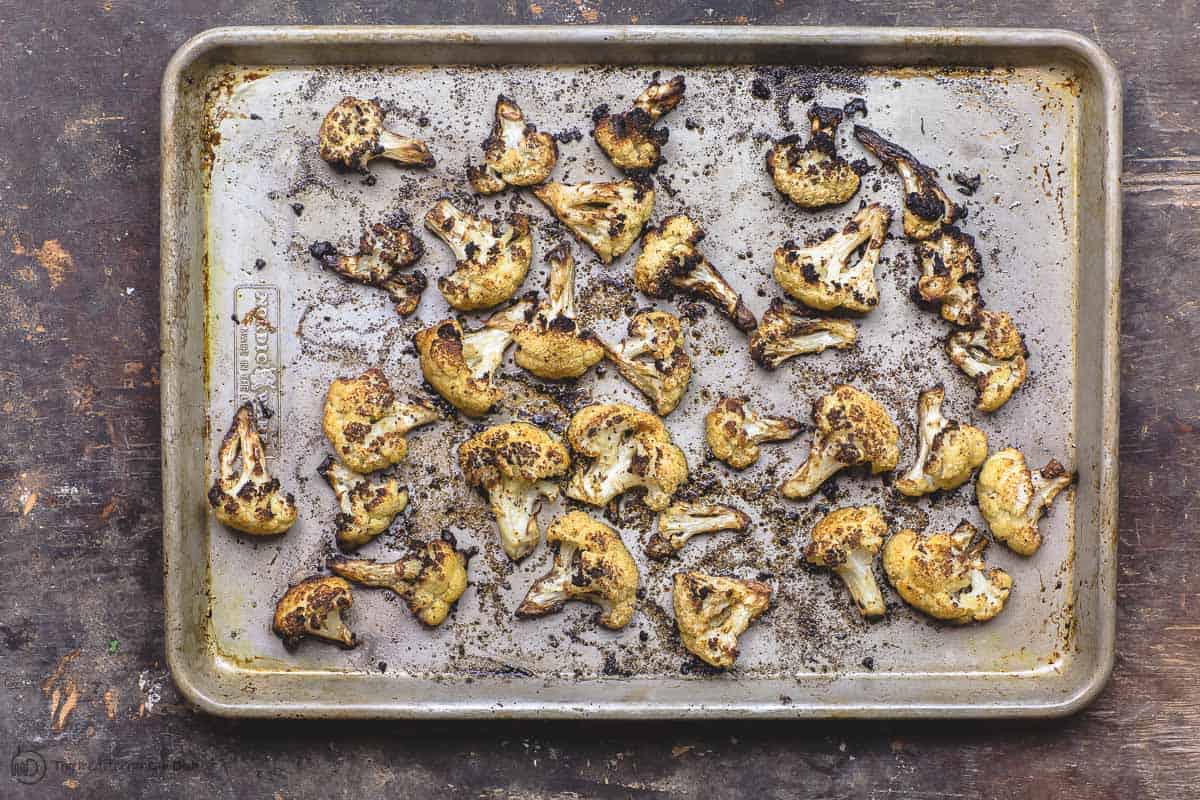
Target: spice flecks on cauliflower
{"points": [[813, 176], [430, 578], [734, 431], [630, 139], [681, 521], [608, 216], [365, 423], [314, 607], [383, 252], [712, 611], [785, 332], [492, 260], [244, 496], [353, 133], [653, 359], [944, 575], [847, 540], [947, 451], [950, 273], [926, 207], [1012, 497], [826, 276], [515, 154], [368, 504], [993, 354]]}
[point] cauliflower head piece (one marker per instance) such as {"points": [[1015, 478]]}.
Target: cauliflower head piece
{"points": [[813, 176], [1012, 498], [492, 260], [847, 540], [944, 575], [950, 273], [712, 611], [630, 139], [460, 366], [367, 504], [926, 206], [786, 331], [515, 154], [315, 607], [365, 423], [430, 578], [383, 252], [244, 496], [607, 216], [823, 276], [515, 464], [352, 134], [734, 431], [591, 564], [993, 354], [947, 451], [653, 359], [681, 521]]}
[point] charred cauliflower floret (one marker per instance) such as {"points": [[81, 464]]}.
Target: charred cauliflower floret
{"points": [[947, 452], [430, 578], [813, 176], [607, 217], [628, 449], [368, 505], [943, 574], [734, 431], [244, 496], [993, 354], [851, 428], [514, 464], [950, 273], [365, 423], [383, 251], [492, 260], [679, 522], [515, 154], [550, 344], [823, 277], [353, 134], [785, 331], [314, 607], [712, 611], [630, 139], [652, 358], [1012, 498], [591, 564], [669, 263], [926, 207], [847, 540]]}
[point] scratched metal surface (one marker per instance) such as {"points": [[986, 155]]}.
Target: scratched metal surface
{"points": [[270, 196]]}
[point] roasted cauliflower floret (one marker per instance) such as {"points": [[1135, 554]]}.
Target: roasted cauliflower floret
{"points": [[847, 540], [734, 431], [1012, 498], [679, 522], [950, 273], [514, 464], [823, 277], [515, 154], [652, 358], [669, 263], [947, 452], [630, 139], [851, 428], [430, 578], [314, 607], [353, 134], [591, 564], [629, 449], [993, 354], [550, 344], [785, 332], [712, 611], [368, 505], [607, 217], [492, 260], [365, 423], [813, 176], [244, 496], [383, 251], [943, 574], [926, 207]]}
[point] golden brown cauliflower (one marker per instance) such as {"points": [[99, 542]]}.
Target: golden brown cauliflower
{"points": [[366, 425], [950, 273], [515, 154], [514, 464], [368, 505], [813, 176], [943, 574], [430, 578], [652, 358], [851, 428], [847, 540], [680, 521], [383, 251], [630, 139], [926, 207], [314, 607], [591, 564], [669, 263], [607, 217], [1012, 498], [823, 277], [712, 611], [734, 431], [994, 355], [244, 496], [786, 331], [492, 261], [629, 449], [352, 134], [550, 344], [947, 452]]}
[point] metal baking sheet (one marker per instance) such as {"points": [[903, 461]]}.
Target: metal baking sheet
{"points": [[1035, 113]]}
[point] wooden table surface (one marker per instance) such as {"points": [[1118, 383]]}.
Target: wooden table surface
{"points": [[85, 689]]}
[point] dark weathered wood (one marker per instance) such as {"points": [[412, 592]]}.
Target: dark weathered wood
{"points": [[79, 477]]}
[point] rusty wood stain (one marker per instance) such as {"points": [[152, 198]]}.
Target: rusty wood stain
{"points": [[55, 259]]}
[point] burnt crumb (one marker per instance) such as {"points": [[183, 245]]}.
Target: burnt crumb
{"points": [[423, 121], [601, 371], [967, 184], [877, 186], [759, 89], [857, 105], [694, 666], [235, 319], [260, 263], [568, 136], [322, 251], [611, 667], [383, 666], [869, 663], [255, 117], [643, 636], [600, 112], [692, 311], [861, 167], [691, 124], [829, 490], [297, 208], [785, 700], [369, 180]]}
